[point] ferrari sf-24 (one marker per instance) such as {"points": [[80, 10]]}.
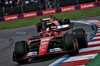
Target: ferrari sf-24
{"points": [[46, 22], [53, 40]]}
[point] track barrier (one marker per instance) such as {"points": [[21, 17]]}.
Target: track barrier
{"points": [[50, 11]]}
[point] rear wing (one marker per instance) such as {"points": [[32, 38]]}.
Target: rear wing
{"points": [[45, 19], [63, 27], [58, 28]]}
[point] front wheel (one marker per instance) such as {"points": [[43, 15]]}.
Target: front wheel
{"points": [[66, 21], [39, 27], [20, 50], [60, 22], [81, 37], [71, 44]]}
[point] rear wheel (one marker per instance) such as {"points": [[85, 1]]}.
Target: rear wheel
{"points": [[39, 27], [20, 50], [66, 21], [60, 22], [81, 37], [71, 44]]}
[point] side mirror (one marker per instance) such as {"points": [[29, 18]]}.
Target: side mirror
{"points": [[30, 38]]}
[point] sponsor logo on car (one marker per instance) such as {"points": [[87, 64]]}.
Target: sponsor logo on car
{"points": [[32, 53], [42, 46], [45, 39], [12, 17], [55, 49], [30, 14], [68, 8], [88, 5], [50, 11]]}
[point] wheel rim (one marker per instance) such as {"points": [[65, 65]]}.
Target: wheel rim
{"points": [[76, 44]]}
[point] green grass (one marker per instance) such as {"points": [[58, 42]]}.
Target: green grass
{"points": [[95, 61], [34, 20]]}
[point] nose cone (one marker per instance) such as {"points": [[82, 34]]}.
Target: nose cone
{"points": [[43, 47]]}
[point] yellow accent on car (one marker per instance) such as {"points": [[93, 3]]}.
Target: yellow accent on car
{"points": [[44, 42], [49, 23], [64, 40], [25, 47]]}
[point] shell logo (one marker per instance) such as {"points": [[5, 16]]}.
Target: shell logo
{"points": [[44, 42]]}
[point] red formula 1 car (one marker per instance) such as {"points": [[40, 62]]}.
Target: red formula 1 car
{"points": [[53, 41], [46, 22]]}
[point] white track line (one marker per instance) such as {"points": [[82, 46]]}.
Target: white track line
{"points": [[98, 24], [93, 43], [76, 58], [96, 38], [82, 65], [89, 49], [97, 33], [82, 50], [60, 59]]}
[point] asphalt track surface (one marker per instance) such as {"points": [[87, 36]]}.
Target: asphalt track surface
{"points": [[10, 36]]}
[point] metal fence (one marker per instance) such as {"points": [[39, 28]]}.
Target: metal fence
{"points": [[19, 9]]}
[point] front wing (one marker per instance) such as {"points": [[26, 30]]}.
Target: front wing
{"points": [[44, 55]]}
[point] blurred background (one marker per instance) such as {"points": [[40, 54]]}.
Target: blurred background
{"points": [[10, 7]]}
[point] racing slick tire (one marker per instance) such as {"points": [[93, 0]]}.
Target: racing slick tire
{"points": [[60, 22], [66, 21], [69, 41], [81, 37], [20, 50], [39, 27]]}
